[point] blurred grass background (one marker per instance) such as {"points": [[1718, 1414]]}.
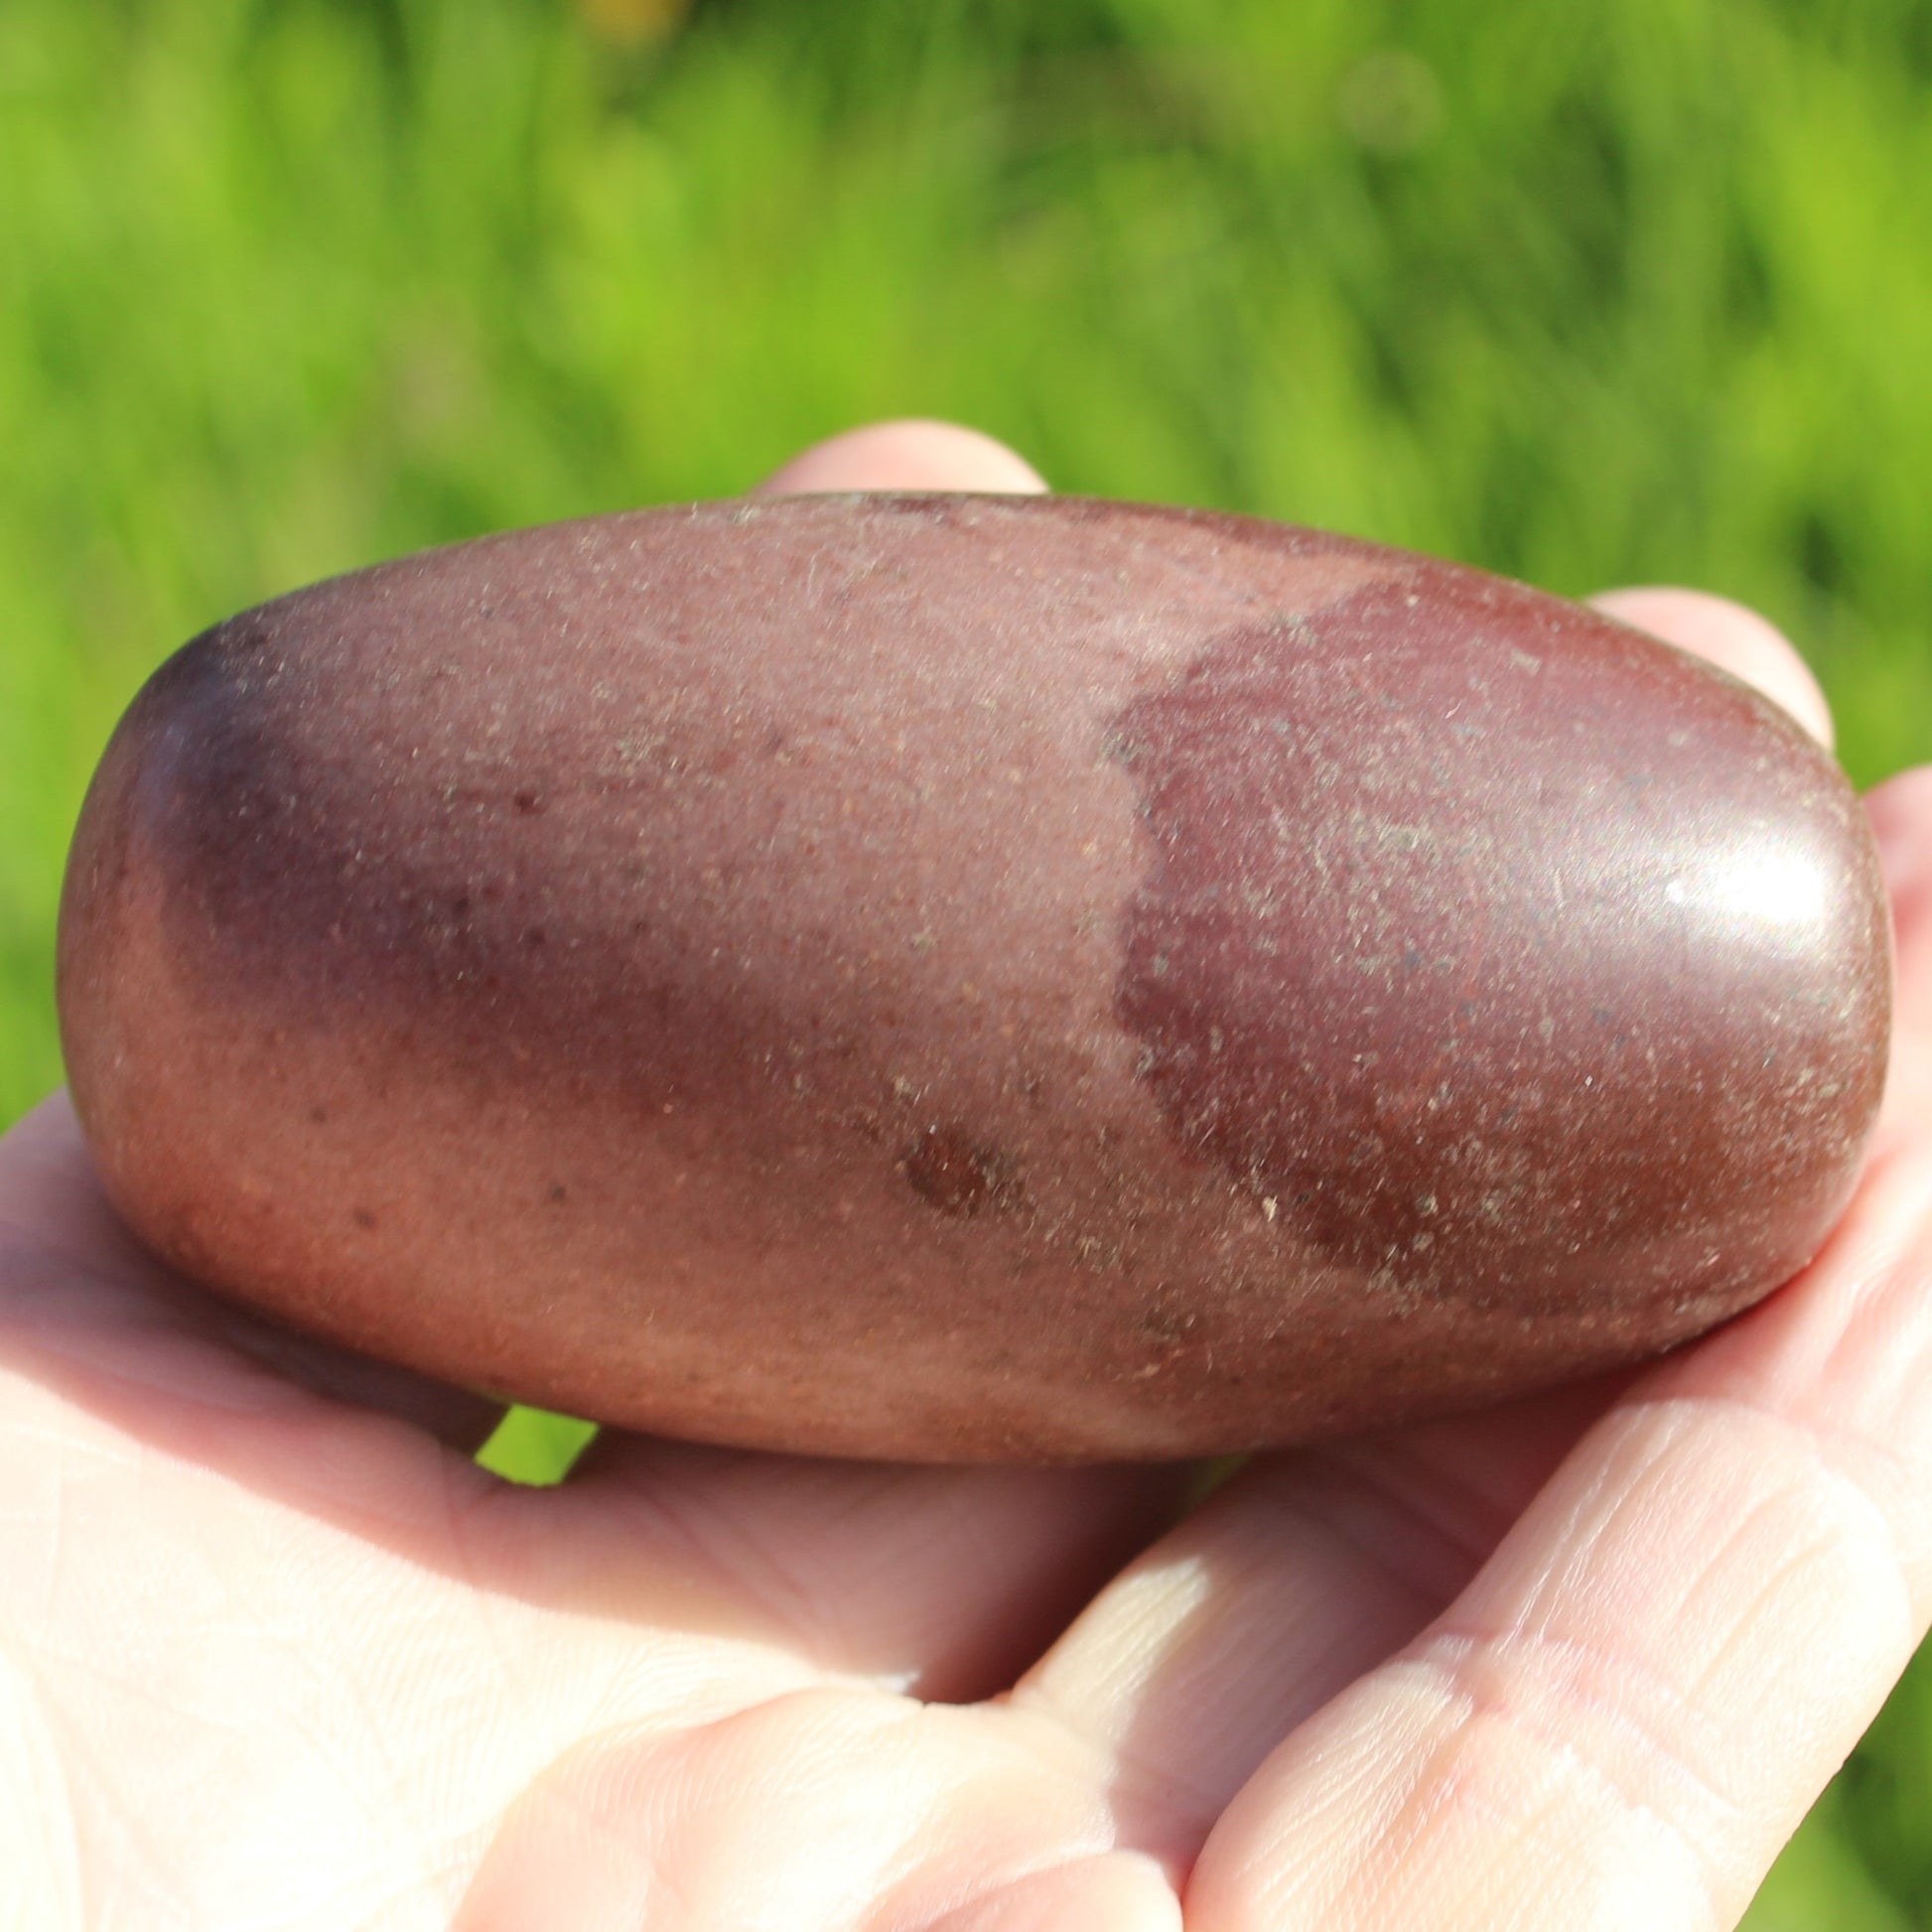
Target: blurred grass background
{"points": [[1623, 291]]}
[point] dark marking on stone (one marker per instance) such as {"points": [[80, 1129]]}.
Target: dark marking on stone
{"points": [[1352, 907], [950, 1171]]}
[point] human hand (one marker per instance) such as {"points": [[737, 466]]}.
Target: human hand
{"points": [[274, 1652]]}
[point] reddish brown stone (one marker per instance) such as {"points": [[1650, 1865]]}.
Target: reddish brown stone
{"points": [[971, 976]]}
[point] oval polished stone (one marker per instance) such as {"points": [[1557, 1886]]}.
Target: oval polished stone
{"points": [[955, 976]]}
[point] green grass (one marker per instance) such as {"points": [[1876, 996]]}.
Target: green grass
{"points": [[1592, 294], [535, 1446]]}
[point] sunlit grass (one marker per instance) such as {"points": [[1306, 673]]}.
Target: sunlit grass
{"points": [[534, 1446], [1605, 293]]}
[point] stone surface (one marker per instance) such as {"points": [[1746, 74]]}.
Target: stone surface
{"points": [[960, 977]]}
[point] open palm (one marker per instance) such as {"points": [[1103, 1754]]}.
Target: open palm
{"points": [[275, 1653]]}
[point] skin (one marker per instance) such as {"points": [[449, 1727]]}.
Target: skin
{"points": [[272, 1652]]}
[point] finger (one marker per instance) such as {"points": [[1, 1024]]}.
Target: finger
{"points": [[87, 1306], [943, 1582], [1631, 1708], [1902, 822], [825, 1807], [908, 455], [1734, 639], [1900, 810], [1306, 1570]]}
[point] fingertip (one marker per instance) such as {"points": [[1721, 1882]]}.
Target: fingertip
{"points": [[907, 454], [1735, 639], [1903, 803], [1900, 811]]}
